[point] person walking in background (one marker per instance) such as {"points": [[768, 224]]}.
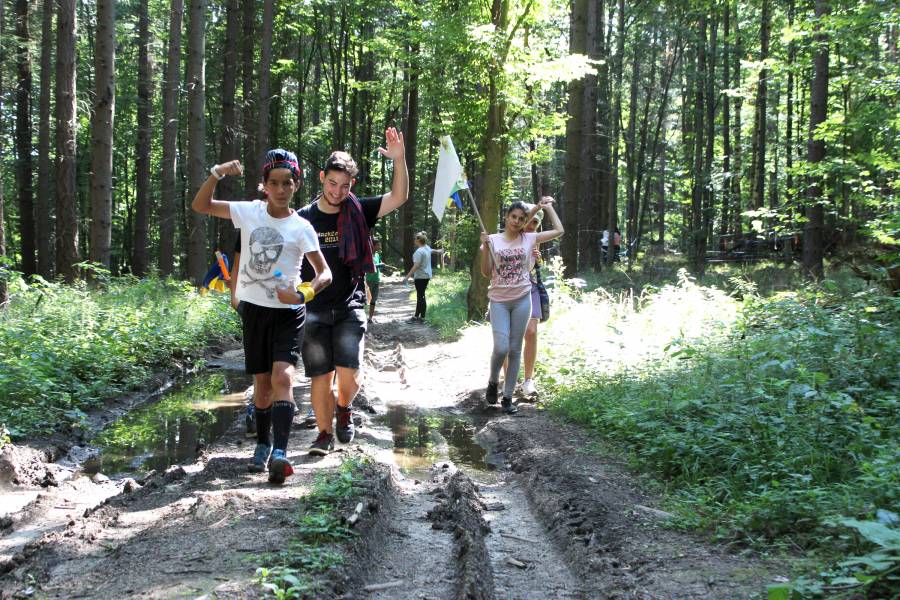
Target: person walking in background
{"points": [[274, 242], [507, 259], [421, 274], [373, 279]]}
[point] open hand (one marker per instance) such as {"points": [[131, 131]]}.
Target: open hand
{"points": [[394, 141]]}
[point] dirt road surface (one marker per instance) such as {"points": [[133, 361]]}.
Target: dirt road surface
{"points": [[460, 501]]}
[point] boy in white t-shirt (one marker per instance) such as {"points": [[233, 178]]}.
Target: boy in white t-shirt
{"points": [[274, 240]]}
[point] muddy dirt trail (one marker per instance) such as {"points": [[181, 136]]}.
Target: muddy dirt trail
{"points": [[460, 501]]}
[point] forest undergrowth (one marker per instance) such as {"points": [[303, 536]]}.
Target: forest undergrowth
{"points": [[64, 349]]}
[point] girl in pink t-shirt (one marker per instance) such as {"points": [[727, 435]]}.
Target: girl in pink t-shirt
{"points": [[506, 258]]}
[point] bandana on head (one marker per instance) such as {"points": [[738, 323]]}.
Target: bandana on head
{"points": [[282, 164]]}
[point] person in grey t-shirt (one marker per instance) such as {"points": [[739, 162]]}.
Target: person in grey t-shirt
{"points": [[421, 274]]}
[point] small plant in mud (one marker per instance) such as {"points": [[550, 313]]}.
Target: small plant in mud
{"points": [[291, 572]]}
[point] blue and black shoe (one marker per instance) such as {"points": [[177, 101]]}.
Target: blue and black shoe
{"points": [[279, 467], [260, 458]]}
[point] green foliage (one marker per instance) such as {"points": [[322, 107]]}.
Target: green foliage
{"points": [[65, 349], [290, 572], [447, 302], [785, 419]]}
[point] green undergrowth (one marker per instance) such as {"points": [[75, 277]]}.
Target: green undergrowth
{"points": [[446, 296], [64, 349], [771, 422], [311, 544]]}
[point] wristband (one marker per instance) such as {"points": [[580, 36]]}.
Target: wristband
{"points": [[306, 290], [215, 173]]}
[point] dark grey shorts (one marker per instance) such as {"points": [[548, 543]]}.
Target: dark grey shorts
{"points": [[373, 290], [333, 338]]}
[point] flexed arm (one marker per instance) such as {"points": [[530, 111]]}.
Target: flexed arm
{"points": [[557, 230], [203, 202]]}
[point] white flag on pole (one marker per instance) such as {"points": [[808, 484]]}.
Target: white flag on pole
{"points": [[449, 174]]}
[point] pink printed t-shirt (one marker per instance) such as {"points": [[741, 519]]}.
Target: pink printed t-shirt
{"points": [[511, 281]]}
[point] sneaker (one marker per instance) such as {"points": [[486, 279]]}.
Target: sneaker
{"points": [[508, 407], [309, 421], [344, 428], [279, 467], [323, 444], [250, 420], [260, 458], [528, 388], [490, 394]]}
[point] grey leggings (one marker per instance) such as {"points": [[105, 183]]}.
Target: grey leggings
{"points": [[508, 322]]}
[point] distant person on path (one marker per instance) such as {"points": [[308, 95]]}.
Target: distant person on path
{"points": [[373, 279], [336, 319], [510, 291], [275, 239], [421, 274]]}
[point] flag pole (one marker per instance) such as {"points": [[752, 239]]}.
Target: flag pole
{"points": [[483, 230]]}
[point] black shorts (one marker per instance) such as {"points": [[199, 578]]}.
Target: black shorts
{"points": [[373, 291], [333, 338], [271, 335]]}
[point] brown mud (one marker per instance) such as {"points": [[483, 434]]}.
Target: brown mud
{"points": [[531, 513]]}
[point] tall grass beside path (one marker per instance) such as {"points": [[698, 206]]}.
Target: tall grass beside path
{"points": [[66, 348], [765, 419]]}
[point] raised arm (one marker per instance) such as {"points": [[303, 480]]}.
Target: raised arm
{"points": [[396, 151], [557, 227], [203, 202]]}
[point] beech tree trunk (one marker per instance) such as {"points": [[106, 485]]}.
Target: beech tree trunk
{"points": [[169, 167], [612, 215], [758, 171], [196, 156], [24, 186], [265, 94], [67, 255], [44, 211], [588, 200], [248, 115], [818, 112], [227, 189], [140, 260]]}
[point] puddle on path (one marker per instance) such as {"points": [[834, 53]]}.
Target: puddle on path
{"points": [[171, 429], [423, 438]]}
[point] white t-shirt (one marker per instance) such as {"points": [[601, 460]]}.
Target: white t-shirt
{"points": [[422, 256], [268, 245]]}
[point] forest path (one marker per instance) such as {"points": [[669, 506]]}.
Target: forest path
{"points": [[462, 502]]}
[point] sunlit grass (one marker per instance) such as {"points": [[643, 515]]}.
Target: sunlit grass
{"points": [[64, 349], [446, 297]]}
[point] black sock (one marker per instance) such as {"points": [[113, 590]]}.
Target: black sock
{"points": [[282, 417], [264, 425]]}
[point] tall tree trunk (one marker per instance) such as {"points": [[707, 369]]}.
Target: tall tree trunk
{"points": [[101, 133], [612, 215], [588, 218], [698, 232], [23, 140], [572, 193], [67, 255], [789, 125], [196, 156], [604, 111], [265, 94], [495, 148], [818, 112], [169, 167], [228, 146], [411, 139], [44, 212], [248, 120], [631, 153], [726, 123], [736, 200], [4, 290], [710, 78], [758, 176], [140, 260]]}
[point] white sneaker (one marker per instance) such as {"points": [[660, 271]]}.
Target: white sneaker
{"points": [[528, 388]]}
